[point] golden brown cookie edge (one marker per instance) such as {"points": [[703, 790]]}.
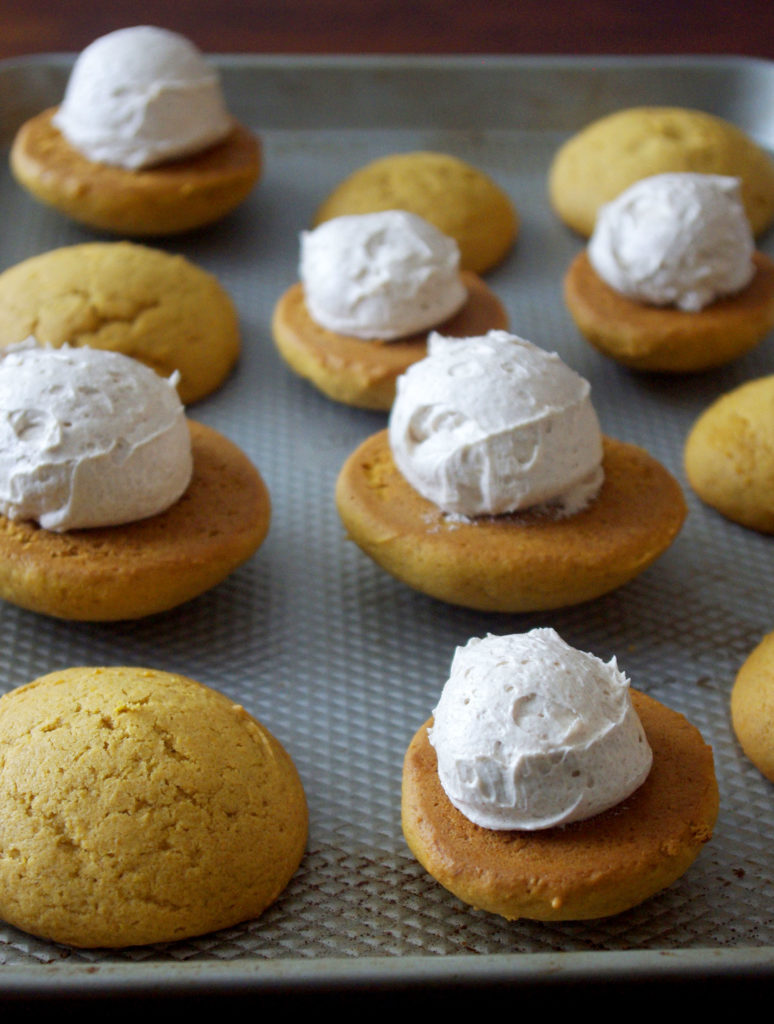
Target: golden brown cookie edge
{"points": [[752, 706], [524, 562], [147, 567], [669, 340], [171, 199], [363, 373]]}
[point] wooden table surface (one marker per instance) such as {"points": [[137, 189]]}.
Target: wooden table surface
{"points": [[405, 26]]}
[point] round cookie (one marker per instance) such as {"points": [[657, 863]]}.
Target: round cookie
{"points": [[613, 152], [752, 706], [526, 561], [149, 566], [667, 339], [588, 869], [167, 199], [140, 806], [458, 199], [156, 307], [729, 455], [363, 373]]}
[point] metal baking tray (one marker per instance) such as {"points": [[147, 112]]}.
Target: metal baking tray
{"points": [[341, 661]]}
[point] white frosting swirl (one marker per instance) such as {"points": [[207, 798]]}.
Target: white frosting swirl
{"points": [[140, 96], [531, 733], [380, 275], [677, 239], [88, 438], [494, 424]]}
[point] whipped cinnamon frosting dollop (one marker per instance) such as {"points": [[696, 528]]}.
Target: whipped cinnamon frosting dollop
{"points": [[140, 96], [531, 733], [380, 275], [494, 424], [88, 438], [677, 239]]}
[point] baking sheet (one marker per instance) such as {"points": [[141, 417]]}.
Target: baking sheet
{"points": [[341, 661]]}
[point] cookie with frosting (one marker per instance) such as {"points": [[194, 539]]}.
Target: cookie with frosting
{"points": [[493, 487], [671, 280], [113, 505], [371, 288], [544, 788], [142, 143]]}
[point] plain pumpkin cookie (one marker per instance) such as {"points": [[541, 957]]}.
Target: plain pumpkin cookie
{"points": [[163, 200], [752, 706], [140, 806], [157, 307], [149, 566], [729, 455], [666, 339], [607, 156], [460, 200], [522, 561], [587, 869]]}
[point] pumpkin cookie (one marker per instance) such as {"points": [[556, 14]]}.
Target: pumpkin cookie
{"points": [[610, 154], [665, 339], [148, 566], [583, 870], [463, 202], [363, 373], [142, 143], [752, 706], [140, 806], [165, 200], [521, 561], [158, 308], [729, 455]]}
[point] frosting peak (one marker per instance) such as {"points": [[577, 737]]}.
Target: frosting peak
{"points": [[380, 275], [139, 96], [494, 424], [531, 733], [88, 438], [677, 239]]}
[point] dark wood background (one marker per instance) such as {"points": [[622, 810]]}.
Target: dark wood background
{"points": [[745, 27]]}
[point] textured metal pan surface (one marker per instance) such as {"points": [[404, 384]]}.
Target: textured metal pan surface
{"points": [[341, 661]]}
